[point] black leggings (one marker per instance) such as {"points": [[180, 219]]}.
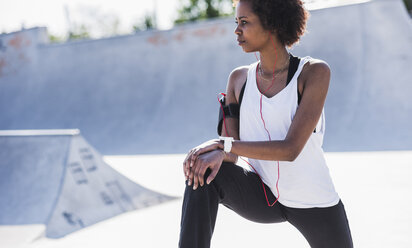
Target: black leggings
{"points": [[242, 191]]}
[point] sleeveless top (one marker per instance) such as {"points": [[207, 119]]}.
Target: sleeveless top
{"points": [[304, 182]]}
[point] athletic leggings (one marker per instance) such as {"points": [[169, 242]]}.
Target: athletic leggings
{"points": [[242, 191]]}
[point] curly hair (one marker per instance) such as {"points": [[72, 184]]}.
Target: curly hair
{"points": [[287, 18]]}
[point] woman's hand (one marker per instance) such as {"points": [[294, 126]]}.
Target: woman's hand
{"points": [[195, 152], [212, 160]]}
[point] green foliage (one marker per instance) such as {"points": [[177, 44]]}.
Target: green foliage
{"points": [[147, 24], [91, 22], [80, 32], [55, 38], [408, 4], [193, 10]]}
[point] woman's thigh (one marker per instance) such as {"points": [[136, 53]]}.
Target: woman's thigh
{"points": [[242, 191], [322, 227]]}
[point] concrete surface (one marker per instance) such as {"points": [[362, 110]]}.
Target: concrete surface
{"points": [[155, 92], [374, 186], [58, 180]]}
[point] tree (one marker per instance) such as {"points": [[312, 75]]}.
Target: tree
{"points": [[90, 22], [408, 4], [193, 10], [55, 38], [147, 23], [79, 32]]}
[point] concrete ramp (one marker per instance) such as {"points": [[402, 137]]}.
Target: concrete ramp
{"points": [[55, 178], [368, 47], [155, 92]]}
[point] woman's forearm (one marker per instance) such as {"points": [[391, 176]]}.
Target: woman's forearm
{"points": [[265, 150]]}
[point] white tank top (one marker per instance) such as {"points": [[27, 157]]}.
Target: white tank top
{"points": [[305, 182]]}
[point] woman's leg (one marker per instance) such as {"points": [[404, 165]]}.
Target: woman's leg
{"points": [[238, 190], [322, 227]]}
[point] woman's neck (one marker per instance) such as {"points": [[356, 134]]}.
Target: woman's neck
{"points": [[273, 59]]}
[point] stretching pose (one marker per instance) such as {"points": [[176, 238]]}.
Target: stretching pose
{"points": [[273, 115]]}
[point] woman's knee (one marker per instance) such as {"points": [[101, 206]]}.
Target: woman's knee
{"points": [[216, 184], [226, 170]]}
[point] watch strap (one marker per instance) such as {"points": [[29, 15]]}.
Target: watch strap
{"points": [[227, 143]]}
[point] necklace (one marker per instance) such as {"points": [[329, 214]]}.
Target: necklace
{"points": [[275, 73]]}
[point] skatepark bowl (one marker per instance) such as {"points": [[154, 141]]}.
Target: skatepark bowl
{"points": [[142, 101]]}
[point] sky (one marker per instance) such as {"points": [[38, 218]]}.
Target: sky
{"points": [[98, 15], [51, 13]]}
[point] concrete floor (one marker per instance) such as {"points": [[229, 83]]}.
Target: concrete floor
{"points": [[374, 186]]}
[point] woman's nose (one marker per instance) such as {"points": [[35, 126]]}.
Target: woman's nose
{"points": [[237, 30]]}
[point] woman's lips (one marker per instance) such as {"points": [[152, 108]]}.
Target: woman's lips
{"points": [[240, 42]]}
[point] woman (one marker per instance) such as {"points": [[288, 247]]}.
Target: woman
{"points": [[279, 129]]}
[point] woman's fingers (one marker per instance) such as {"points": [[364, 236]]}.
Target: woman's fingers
{"points": [[213, 174], [186, 163], [212, 160], [185, 168], [195, 179], [200, 151], [198, 160], [199, 174], [193, 157], [202, 174], [190, 177]]}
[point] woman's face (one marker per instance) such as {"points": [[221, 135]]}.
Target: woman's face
{"points": [[251, 36]]}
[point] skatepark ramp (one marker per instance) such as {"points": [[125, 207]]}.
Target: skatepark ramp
{"points": [[56, 179], [155, 91]]}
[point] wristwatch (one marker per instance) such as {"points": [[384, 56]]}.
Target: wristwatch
{"points": [[227, 143]]}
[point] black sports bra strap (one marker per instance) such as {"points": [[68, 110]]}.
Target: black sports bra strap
{"points": [[293, 67], [242, 91]]}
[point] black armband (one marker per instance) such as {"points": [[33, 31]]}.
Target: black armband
{"points": [[230, 111]]}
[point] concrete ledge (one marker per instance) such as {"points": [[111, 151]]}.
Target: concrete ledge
{"points": [[39, 132]]}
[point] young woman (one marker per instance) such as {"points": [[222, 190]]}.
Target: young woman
{"points": [[279, 129]]}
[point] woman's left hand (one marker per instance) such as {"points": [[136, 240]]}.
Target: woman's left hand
{"points": [[195, 152], [209, 160]]}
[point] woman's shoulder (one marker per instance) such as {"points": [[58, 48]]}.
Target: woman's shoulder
{"points": [[239, 73], [314, 68], [237, 79]]}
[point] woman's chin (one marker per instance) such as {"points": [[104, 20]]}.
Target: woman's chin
{"points": [[248, 50]]}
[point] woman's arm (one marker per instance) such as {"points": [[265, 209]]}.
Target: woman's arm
{"points": [[197, 162], [235, 83], [314, 87], [313, 84]]}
